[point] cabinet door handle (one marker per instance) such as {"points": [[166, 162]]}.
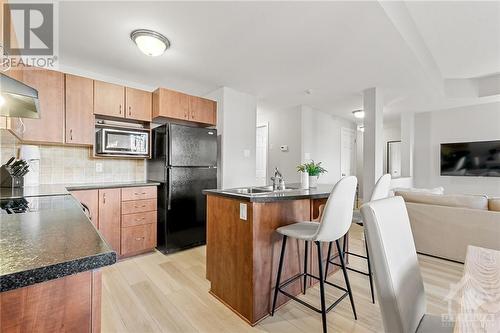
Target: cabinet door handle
{"points": [[104, 198], [137, 193], [71, 134], [142, 218], [139, 238], [120, 109], [140, 206], [129, 110]]}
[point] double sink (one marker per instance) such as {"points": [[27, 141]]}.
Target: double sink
{"points": [[259, 190]]}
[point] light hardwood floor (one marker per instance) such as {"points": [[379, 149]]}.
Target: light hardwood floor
{"points": [[157, 293]]}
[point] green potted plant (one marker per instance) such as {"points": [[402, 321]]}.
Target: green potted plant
{"points": [[313, 170]]}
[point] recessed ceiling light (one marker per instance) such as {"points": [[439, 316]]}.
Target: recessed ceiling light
{"points": [[360, 114], [150, 42]]}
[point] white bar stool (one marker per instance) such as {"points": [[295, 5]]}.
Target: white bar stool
{"points": [[380, 191], [335, 223]]}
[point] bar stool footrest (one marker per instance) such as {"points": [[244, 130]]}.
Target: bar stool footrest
{"points": [[299, 275]]}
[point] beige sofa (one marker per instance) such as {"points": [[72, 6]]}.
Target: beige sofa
{"points": [[443, 225]]}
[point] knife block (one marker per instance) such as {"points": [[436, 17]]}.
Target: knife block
{"points": [[8, 180]]}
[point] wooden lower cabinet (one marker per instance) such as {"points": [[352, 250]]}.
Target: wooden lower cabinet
{"points": [[109, 216], [68, 304], [127, 225], [138, 222], [138, 239], [89, 198]]}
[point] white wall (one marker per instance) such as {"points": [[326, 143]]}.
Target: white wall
{"points": [[284, 129], [472, 123], [309, 134], [236, 119], [321, 141]]}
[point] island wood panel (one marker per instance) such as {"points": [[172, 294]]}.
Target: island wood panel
{"points": [[60, 305], [267, 217], [229, 254], [96, 300]]}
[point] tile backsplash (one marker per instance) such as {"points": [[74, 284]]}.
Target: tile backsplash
{"points": [[68, 165]]}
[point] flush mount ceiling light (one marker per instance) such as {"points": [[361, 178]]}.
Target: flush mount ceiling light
{"points": [[150, 42], [360, 114]]}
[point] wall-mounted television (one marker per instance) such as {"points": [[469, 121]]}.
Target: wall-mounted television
{"points": [[478, 159]]}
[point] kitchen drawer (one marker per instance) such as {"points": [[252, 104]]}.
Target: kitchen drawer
{"points": [[138, 206], [138, 193], [131, 220], [138, 238]]}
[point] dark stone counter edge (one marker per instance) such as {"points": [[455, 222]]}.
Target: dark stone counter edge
{"points": [[267, 198], [77, 187], [43, 274]]}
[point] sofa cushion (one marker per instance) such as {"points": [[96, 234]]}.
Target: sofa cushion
{"points": [[494, 204], [450, 200]]}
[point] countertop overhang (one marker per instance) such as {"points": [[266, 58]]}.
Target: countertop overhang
{"points": [[49, 243], [320, 192]]}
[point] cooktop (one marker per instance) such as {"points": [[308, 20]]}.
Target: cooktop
{"points": [[33, 204]]}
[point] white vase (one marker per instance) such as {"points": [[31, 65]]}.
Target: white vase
{"points": [[313, 181], [304, 180]]}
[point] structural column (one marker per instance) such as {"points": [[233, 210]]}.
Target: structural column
{"points": [[407, 143], [372, 139]]}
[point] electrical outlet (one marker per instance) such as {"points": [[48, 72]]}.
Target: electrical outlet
{"points": [[98, 167], [243, 211]]}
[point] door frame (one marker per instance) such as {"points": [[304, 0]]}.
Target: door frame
{"points": [[263, 124], [354, 160]]}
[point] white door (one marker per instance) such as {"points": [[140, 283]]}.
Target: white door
{"points": [[261, 154], [347, 152]]}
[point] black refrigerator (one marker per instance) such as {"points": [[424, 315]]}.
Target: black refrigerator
{"points": [[184, 161]]}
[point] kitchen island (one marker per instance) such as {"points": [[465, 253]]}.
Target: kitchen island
{"points": [[49, 269], [243, 248]]}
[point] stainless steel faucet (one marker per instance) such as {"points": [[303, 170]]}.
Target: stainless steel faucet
{"points": [[278, 181]]}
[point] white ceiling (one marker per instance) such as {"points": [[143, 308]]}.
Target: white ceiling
{"points": [[277, 50]]}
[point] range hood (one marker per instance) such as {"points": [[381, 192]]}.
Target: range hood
{"points": [[18, 99]]}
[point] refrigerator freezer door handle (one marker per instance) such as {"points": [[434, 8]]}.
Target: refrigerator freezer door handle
{"points": [[169, 194], [169, 145]]}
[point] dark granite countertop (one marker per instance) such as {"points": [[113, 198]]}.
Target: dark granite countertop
{"points": [[295, 193], [53, 240], [62, 189]]}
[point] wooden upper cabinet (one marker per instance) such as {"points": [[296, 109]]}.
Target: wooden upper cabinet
{"points": [[79, 110], [138, 104], [50, 126], [170, 104], [109, 216], [109, 99], [202, 110], [176, 105]]}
